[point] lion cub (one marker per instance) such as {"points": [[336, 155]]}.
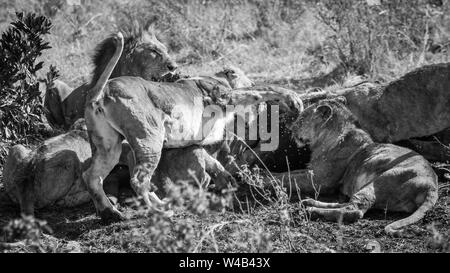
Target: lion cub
{"points": [[370, 175]]}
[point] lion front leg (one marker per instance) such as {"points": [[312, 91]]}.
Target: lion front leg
{"points": [[296, 183], [102, 164], [323, 205], [349, 212], [246, 97], [16, 178], [106, 150]]}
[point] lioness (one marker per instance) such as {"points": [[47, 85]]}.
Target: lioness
{"points": [[412, 106], [370, 175], [149, 116], [144, 56], [51, 173], [235, 77], [287, 156]]}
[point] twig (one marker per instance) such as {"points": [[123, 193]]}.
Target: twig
{"points": [[213, 228]]}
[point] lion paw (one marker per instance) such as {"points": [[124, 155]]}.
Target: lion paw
{"points": [[392, 231], [308, 202], [111, 215]]}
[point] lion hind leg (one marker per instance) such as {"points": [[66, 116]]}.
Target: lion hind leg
{"points": [[99, 169], [78, 195], [18, 180], [106, 149], [431, 198], [27, 197]]}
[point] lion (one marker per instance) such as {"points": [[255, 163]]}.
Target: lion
{"points": [[195, 162], [287, 156], [411, 107], [191, 163], [152, 116], [51, 173], [203, 165], [368, 174], [144, 56], [235, 77]]}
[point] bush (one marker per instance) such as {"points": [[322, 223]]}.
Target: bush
{"points": [[21, 110], [30, 230]]}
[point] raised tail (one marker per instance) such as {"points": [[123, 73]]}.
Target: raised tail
{"points": [[96, 92], [429, 202]]}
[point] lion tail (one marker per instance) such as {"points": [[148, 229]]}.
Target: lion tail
{"points": [[430, 200], [97, 90]]}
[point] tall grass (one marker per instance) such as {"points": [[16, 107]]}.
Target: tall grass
{"points": [[271, 40]]}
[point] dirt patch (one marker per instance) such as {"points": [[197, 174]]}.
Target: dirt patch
{"points": [[80, 230]]}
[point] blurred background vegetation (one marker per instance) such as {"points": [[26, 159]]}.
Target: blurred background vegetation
{"points": [[297, 43]]}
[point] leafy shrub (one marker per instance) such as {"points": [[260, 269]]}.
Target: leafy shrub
{"points": [[21, 109], [181, 236], [29, 229]]}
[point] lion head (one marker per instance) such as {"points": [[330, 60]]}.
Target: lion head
{"points": [[235, 77], [143, 56], [322, 122]]}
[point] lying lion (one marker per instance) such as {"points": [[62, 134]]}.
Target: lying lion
{"points": [[149, 116], [51, 173], [368, 174], [412, 106]]}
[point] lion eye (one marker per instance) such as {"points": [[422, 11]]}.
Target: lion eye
{"points": [[154, 54]]}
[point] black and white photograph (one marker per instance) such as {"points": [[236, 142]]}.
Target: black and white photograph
{"points": [[235, 129]]}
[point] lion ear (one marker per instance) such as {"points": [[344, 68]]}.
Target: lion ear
{"points": [[150, 25], [341, 99], [150, 28], [324, 111], [231, 74], [136, 28]]}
